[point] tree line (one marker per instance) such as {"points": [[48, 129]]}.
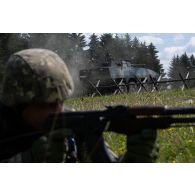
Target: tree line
{"points": [[182, 65], [76, 52], [120, 47], [79, 52]]}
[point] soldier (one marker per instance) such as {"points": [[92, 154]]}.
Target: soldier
{"points": [[36, 82]]}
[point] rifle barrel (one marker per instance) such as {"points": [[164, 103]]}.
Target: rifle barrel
{"points": [[154, 110], [180, 110]]}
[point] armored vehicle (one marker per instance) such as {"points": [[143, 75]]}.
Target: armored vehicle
{"points": [[117, 74]]}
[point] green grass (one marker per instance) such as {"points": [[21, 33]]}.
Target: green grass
{"points": [[176, 145]]}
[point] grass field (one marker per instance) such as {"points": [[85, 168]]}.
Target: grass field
{"points": [[176, 145]]}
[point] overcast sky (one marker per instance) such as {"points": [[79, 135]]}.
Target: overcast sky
{"points": [[168, 44]]}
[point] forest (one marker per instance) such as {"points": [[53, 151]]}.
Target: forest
{"points": [[80, 52]]}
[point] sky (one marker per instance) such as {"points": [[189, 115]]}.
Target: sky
{"points": [[168, 44]]}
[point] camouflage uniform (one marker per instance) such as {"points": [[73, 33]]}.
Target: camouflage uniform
{"points": [[41, 76], [32, 75]]}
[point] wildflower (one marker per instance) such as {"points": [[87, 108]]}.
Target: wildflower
{"points": [[171, 129]]}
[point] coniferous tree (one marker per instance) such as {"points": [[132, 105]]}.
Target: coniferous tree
{"points": [[142, 52], [192, 69], [94, 51], [118, 49], [107, 43], [78, 41], [175, 64], [153, 61], [135, 46], [181, 65], [77, 44], [128, 46], [192, 60], [57, 42], [185, 65], [9, 44], [69, 46], [4, 51]]}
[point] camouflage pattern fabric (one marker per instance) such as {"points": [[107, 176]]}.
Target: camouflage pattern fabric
{"points": [[35, 75]]}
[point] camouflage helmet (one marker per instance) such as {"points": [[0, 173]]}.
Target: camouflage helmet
{"points": [[35, 75]]}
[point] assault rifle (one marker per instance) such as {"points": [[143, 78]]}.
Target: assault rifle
{"points": [[119, 119], [122, 119]]}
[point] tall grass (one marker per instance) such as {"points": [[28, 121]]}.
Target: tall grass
{"points": [[176, 145]]}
